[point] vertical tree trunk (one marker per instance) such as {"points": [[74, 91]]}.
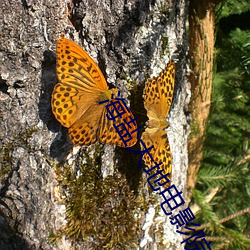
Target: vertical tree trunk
{"points": [[201, 40], [54, 196]]}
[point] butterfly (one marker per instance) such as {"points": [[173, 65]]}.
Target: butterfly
{"points": [[157, 95], [75, 100]]}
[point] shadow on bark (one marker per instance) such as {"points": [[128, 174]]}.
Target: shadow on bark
{"points": [[61, 145], [9, 239]]}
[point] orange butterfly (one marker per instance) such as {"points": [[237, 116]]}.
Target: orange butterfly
{"points": [[157, 94], [75, 100]]}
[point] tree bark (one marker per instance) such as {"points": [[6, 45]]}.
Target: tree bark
{"points": [[41, 173], [201, 40]]}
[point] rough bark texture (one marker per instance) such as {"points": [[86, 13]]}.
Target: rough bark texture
{"points": [[131, 38], [201, 40]]}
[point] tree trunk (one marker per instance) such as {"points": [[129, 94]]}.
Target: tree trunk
{"points": [[201, 40], [54, 196]]}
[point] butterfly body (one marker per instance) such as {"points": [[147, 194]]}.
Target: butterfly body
{"points": [[157, 123], [158, 93], [75, 99]]}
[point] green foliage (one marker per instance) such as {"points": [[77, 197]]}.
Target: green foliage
{"points": [[226, 156], [230, 7], [233, 53]]}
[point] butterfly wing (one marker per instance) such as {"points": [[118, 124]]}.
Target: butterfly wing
{"points": [[160, 152], [158, 93], [75, 99], [69, 104], [78, 111], [124, 123], [75, 68], [80, 83]]}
